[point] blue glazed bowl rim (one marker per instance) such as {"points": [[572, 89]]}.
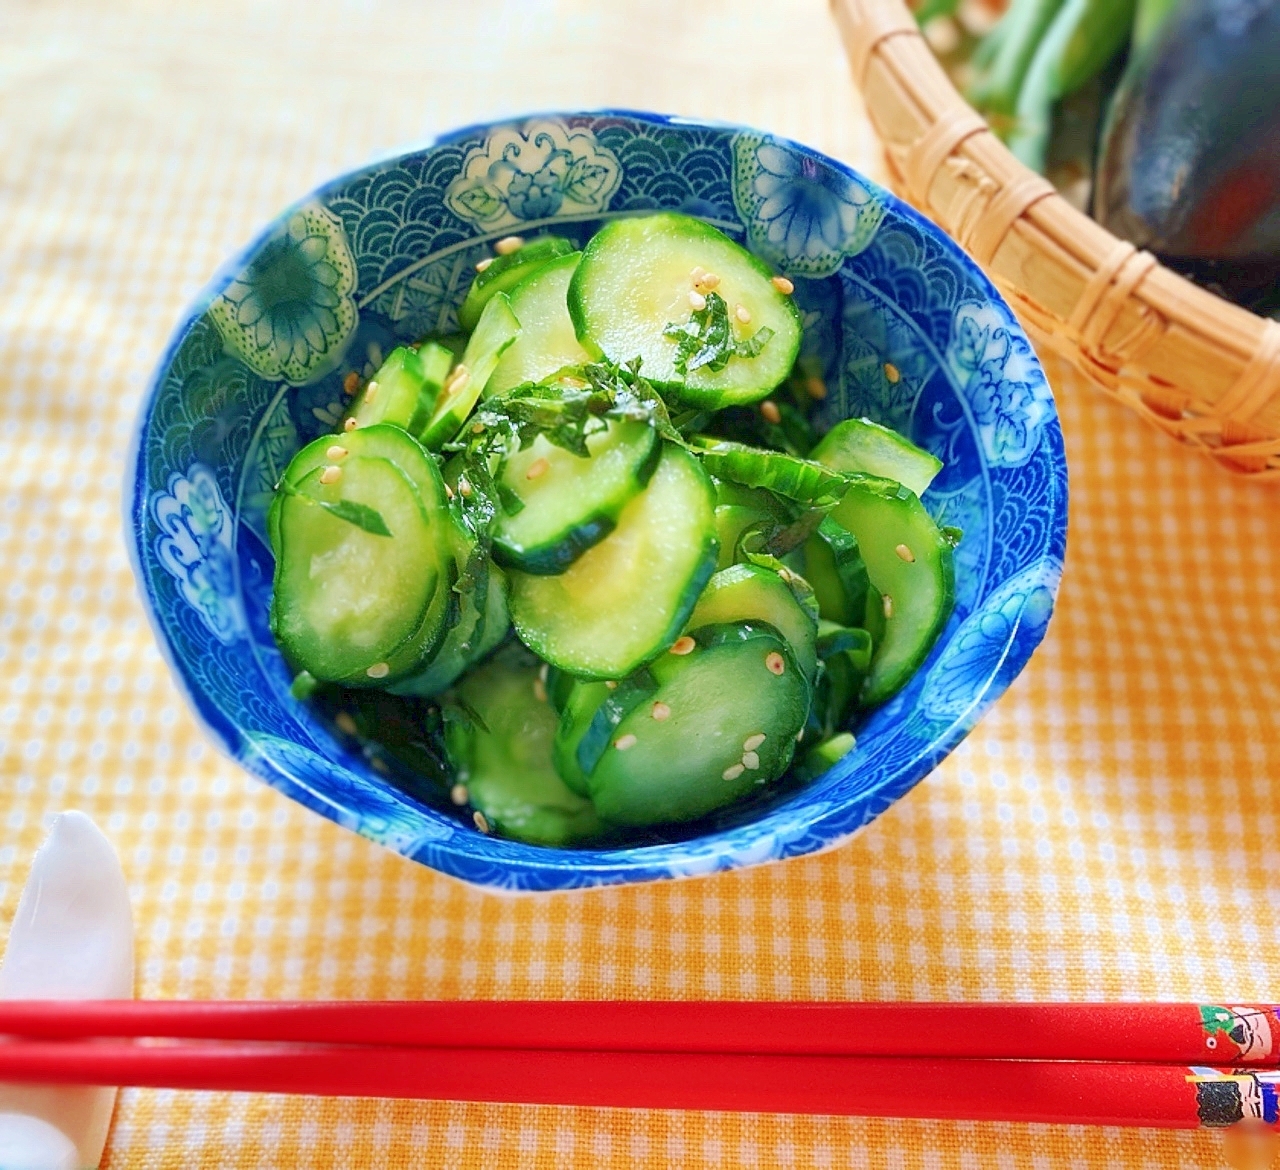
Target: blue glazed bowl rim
{"points": [[547, 869]]}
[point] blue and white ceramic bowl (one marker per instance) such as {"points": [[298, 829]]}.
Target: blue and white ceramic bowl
{"points": [[908, 331]]}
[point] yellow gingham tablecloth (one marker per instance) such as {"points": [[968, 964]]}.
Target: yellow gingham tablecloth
{"points": [[1109, 831]]}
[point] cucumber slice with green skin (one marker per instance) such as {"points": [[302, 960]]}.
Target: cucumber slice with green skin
{"points": [[495, 331], [395, 446], [858, 444], [559, 686], [460, 648], [635, 279], [547, 342], [348, 601], [751, 593], [578, 709], [727, 715], [737, 508], [503, 273], [797, 479], [825, 755], [437, 363], [627, 599], [909, 562], [835, 568], [572, 503], [506, 765], [398, 394]]}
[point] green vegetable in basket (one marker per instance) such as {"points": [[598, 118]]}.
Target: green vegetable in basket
{"points": [[1083, 38], [1016, 38]]}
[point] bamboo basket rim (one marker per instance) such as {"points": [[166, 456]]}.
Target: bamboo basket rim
{"points": [[1200, 369]]}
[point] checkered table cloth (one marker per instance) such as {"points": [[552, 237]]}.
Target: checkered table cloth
{"points": [[1109, 831]]}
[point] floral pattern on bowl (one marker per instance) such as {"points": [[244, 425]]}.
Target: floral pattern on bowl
{"points": [[905, 327]]}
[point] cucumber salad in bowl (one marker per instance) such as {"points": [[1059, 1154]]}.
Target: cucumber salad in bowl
{"points": [[588, 566]]}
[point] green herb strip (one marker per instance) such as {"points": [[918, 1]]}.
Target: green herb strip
{"points": [[706, 339], [361, 515]]}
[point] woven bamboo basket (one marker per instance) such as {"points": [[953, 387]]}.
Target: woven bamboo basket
{"points": [[1200, 369]]}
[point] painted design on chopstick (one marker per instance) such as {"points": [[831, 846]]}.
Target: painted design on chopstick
{"points": [[1226, 1096], [1238, 1033]]}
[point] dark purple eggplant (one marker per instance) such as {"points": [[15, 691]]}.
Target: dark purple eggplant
{"points": [[1189, 165]]}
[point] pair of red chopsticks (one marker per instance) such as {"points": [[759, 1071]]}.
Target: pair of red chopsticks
{"points": [[1172, 1065]]}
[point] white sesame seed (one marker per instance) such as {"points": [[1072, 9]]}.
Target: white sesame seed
{"points": [[544, 671], [817, 388], [625, 743], [483, 264], [888, 606], [539, 690], [697, 273], [537, 469], [775, 663], [457, 380], [371, 391], [769, 412], [380, 765], [742, 313], [800, 735], [459, 794], [508, 244], [335, 453], [733, 771], [891, 372], [477, 428], [378, 670], [351, 383], [697, 301], [660, 711], [480, 820], [464, 486], [448, 491], [350, 425], [783, 285], [709, 280], [683, 645], [753, 741], [345, 723], [610, 685], [750, 760], [331, 474], [905, 553]]}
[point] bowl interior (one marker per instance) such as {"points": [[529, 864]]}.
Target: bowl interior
{"points": [[905, 327]]}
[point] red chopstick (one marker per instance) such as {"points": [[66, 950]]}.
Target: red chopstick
{"points": [[1157, 1033], [977, 1090]]}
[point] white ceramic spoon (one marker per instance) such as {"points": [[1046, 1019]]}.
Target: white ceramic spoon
{"points": [[72, 938]]}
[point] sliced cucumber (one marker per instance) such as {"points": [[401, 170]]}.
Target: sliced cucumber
{"points": [[909, 562], [348, 600], [559, 686], [547, 342], [506, 764], [635, 279], [495, 331], [437, 364], [571, 503], [398, 394], [626, 599], [797, 479], [751, 593], [737, 508], [428, 544], [503, 273], [722, 720], [578, 709], [835, 568], [858, 444], [463, 644]]}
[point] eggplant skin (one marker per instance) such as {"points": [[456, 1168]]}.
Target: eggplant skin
{"points": [[1190, 159]]}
